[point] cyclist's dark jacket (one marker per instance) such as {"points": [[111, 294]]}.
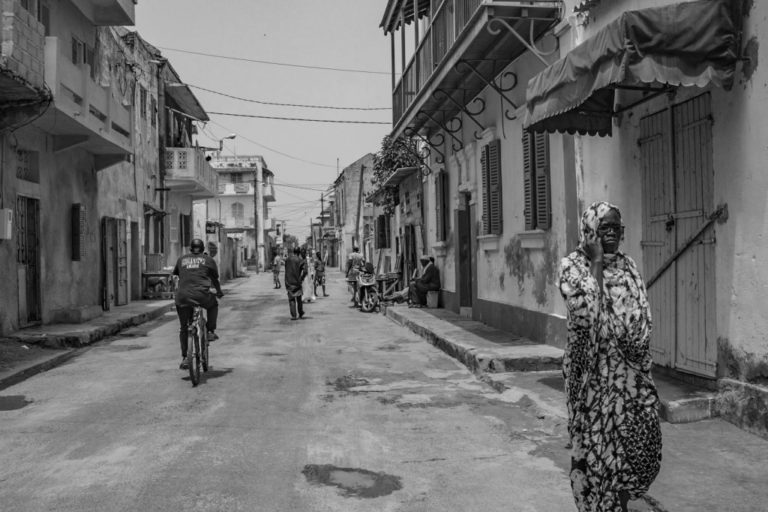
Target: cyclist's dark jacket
{"points": [[197, 273]]}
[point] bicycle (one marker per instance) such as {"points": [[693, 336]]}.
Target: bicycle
{"points": [[197, 344]]}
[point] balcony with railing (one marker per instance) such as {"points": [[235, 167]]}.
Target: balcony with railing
{"points": [[94, 116], [268, 192], [22, 54], [108, 12], [461, 52], [187, 171]]}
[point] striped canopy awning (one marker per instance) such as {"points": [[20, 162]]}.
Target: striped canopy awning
{"points": [[683, 44]]}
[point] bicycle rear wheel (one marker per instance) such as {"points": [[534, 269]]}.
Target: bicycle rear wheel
{"points": [[193, 356], [204, 352]]}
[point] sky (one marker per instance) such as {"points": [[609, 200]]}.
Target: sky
{"points": [[342, 34]]}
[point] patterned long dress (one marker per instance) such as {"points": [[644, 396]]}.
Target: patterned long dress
{"points": [[612, 401]]}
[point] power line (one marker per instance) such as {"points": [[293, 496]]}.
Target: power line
{"points": [[260, 102], [299, 187], [299, 119], [243, 59], [274, 150]]}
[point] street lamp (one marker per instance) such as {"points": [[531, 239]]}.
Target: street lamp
{"points": [[221, 144]]}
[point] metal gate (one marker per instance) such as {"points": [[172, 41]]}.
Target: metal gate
{"points": [[676, 153], [28, 259]]}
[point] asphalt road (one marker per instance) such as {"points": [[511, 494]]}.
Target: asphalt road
{"points": [[341, 411]]}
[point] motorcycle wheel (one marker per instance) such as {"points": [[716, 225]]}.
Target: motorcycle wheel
{"points": [[369, 302]]}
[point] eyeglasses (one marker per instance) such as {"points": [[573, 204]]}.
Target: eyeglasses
{"points": [[604, 229]]}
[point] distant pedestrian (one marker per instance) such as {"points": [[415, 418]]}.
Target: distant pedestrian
{"points": [[276, 264], [295, 272], [612, 402], [354, 264], [309, 278], [319, 265]]}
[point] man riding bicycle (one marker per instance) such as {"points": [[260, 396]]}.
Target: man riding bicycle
{"points": [[197, 273]]}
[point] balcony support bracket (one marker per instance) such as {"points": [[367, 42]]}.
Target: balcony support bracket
{"points": [[499, 90], [445, 128], [531, 45], [430, 146], [462, 106]]}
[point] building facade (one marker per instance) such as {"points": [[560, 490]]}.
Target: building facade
{"points": [[529, 117], [350, 208], [241, 207]]}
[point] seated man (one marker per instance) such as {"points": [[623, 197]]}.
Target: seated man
{"points": [[429, 281], [197, 273]]}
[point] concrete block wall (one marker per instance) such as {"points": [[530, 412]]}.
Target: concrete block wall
{"points": [[22, 43]]}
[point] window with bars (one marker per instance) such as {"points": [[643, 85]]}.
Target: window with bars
{"points": [[490, 161], [383, 232], [536, 181], [441, 205], [153, 112]]}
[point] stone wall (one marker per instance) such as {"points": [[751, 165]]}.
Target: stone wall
{"points": [[23, 43]]}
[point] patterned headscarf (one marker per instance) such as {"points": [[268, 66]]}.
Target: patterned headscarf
{"points": [[590, 220]]}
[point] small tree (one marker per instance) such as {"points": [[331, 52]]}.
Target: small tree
{"points": [[394, 153]]}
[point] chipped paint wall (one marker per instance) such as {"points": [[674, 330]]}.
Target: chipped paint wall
{"points": [[611, 170]]}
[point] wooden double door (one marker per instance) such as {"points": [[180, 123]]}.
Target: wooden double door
{"points": [[678, 180]]}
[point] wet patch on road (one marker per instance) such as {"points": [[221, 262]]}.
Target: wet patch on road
{"points": [[388, 348], [13, 402], [347, 382], [272, 354], [353, 482]]}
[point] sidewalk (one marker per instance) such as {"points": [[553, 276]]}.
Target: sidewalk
{"points": [[707, 466], [30, 351]]}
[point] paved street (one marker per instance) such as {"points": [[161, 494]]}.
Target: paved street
{"points": [[340, 411]]}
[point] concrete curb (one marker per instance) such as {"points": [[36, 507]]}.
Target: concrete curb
{"points": [[529, 357], [91, 332], [23, 373]]}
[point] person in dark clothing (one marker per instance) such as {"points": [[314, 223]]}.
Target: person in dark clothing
{"points": [[197, 273], [319, 273], [295, 272], [429, 281]]}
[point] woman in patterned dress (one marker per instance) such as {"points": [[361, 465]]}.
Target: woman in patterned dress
{"points": [[613, 421]]}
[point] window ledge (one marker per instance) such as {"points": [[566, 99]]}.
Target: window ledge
{"points": [[489, 243], [440, 249], [534, 239]]}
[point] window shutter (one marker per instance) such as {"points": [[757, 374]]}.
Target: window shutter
{"points": [[494, 186], [486, 199], [380, 234], [529, 200], [439, 222], [543, 206], [388, 230]]}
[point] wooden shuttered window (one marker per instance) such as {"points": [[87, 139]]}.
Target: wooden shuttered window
{"points": [[536, 181], [490, 161], [383, 232], [441, 206]]}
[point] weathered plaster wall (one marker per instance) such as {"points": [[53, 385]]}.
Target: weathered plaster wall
{"points": [[740, 180]]}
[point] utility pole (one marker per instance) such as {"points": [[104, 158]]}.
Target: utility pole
{"points": [[359, 207], [257, 217]]}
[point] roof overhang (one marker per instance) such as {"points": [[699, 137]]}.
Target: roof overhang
{"points": [[648, 50], [186, 100], [488, 50], [391, 20], [399, 175]]}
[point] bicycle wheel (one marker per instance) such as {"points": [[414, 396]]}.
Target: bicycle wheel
{"points": [[204, 351], [193, 356]]}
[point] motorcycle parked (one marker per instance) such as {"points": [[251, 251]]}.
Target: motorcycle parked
{"points": [[368, 291]]}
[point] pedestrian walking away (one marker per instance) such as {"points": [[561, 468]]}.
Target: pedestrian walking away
{"points": [[354, 264], [613, 421], [197, 272], [319, 266], [295, 272], [309, 277], [276, 263]]}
